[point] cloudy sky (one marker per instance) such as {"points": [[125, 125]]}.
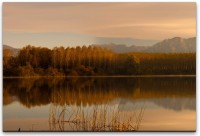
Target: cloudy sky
{"points": [[154, 21]]}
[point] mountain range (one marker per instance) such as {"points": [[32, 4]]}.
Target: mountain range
{"points": [[52, 39], [173, 45], [15, 50], [125, 41]]}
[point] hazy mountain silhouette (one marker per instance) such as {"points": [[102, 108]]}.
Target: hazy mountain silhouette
{"points": [[174, 45], [52, 39], [122, 48], [125, 41], [15, 50]]}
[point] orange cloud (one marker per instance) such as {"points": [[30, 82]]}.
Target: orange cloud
{"points": [[137, 20]]}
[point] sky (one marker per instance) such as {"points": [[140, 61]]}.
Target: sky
{"points": [[52, 24]]}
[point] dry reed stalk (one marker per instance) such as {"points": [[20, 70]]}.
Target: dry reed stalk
{"points": [[99, 119]]}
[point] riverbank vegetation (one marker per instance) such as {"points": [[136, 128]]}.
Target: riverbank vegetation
{"points": [[94, 61], [97, 118]]}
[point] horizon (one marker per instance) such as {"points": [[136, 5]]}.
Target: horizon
{"points": [[95, 43], [64, 24]]}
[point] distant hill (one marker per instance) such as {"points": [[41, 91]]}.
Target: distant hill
{"points": [[174, 45], [15, 51], [121, 48], [67, 39], [125, 41]]}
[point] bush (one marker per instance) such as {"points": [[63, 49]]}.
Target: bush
{"points": [[40, 71], [53, 72], [73, 73], [26, 71]]}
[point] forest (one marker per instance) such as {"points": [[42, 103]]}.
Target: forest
{"points": [[94, 61]]}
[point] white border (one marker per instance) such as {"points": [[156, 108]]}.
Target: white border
{"points": [[197, 133]]}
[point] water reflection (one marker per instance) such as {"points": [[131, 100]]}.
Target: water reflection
{"points": [[170, 92]]}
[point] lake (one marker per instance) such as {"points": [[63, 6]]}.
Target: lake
{"points": [[65, 104]]}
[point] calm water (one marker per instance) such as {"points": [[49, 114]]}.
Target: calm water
{"points": [[168, 103]]}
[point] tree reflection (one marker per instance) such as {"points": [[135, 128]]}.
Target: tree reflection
{"points": [[94, 91]]}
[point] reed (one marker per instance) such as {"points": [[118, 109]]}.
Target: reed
{"points": [[97, 118]]}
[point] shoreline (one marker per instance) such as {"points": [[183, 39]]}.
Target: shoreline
{"points": [[120, 76]]}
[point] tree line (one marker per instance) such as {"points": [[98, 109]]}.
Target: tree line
{"points": [[94, 61]]}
